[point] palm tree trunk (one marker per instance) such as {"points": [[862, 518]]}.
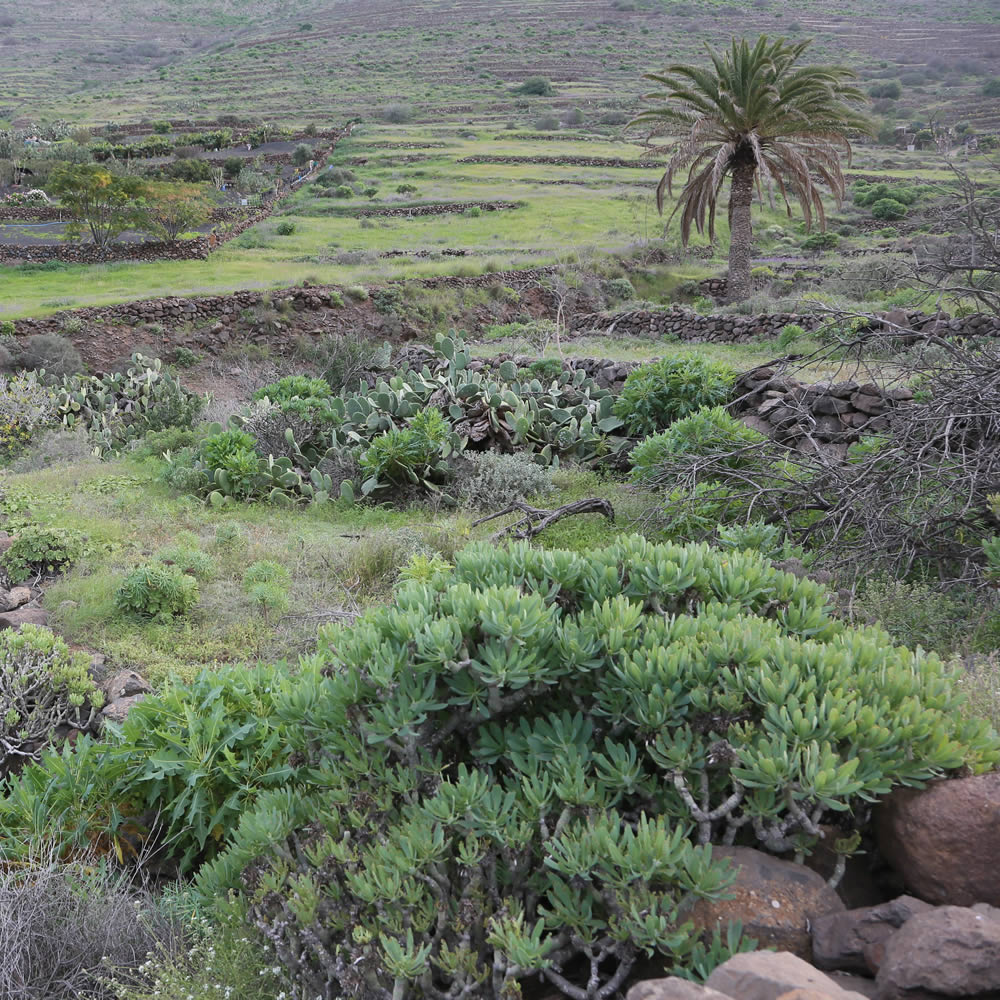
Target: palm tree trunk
{"points": [[740, 232]]}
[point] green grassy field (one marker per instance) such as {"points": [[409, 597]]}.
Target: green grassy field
{"points": [[561, 209]]}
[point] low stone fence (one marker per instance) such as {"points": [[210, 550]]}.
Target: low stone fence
{"points": [[38, 211], [822, 418], [684, 324], [447, 208], [567, 161]]}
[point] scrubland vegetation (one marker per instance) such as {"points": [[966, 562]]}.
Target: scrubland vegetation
{"points": [[392, 646]]}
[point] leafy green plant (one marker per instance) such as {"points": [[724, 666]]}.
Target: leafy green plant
{"points": [[157, 590], [539, 748], [194, 756], [42, 549], [43, 687], [790, 334], [888, 209], [415, 454], [663, 391]]}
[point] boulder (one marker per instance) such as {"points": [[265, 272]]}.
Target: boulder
{"points": [[855, 940], [672, 988], [12, 599], [768, 975], [24, 616], [124, 684], [948, 951], [775, 900], [944, 840], [117, 710]]}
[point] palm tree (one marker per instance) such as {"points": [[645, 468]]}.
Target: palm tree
{"points": [[754, 116]]}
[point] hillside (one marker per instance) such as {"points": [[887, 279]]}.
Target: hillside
{"points": [[308, 60]]}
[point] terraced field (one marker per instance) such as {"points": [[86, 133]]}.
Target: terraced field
{"points": [[322, 60]]}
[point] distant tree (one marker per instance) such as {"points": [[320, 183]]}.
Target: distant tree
{"points": [[171, 209], [992, 87], [536, 86], [753, 116], [105, 203], [302, 154]]}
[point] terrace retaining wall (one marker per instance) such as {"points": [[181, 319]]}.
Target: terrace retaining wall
{"points": [[686, 325]]}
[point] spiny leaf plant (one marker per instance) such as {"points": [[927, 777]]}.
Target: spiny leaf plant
{"points": [[519, 767]]}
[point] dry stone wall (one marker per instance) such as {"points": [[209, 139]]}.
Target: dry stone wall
{"points": [[822, 418], [684, 324]]}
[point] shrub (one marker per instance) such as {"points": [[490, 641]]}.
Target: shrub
{"points": [[43, 687], [889, 89], [232, 165], [888, 209], [534, 751], [231, 463], [266, 584], [496, 480], [663, 391], [157, 590], [285, 228], [219, 958], [65, 927], [189, 559], [56, 355], [536, 86], [547, 123], [194, 756], [706, 431], [302, 154], [357, 293], [184, 357], [397, 114], [790, 334], [619, 289], [26, 406], [819, 242], [344, 358], [992, 87], [39, 549], [415, 454], [295, 387]]}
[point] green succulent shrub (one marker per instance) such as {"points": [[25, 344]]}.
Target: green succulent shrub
{"points": [[193, 756], [657, 394], [294, 387], [157, 590], [42, 549], [712, 430], [415, 454], [888, 209], [519, 766], [120, 407], [43, 687], [231, 462], [189, 559]]}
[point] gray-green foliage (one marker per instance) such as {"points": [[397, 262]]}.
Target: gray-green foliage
{"points": [[43, 686], [119, 407], [496, 480], [518, 766]]}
